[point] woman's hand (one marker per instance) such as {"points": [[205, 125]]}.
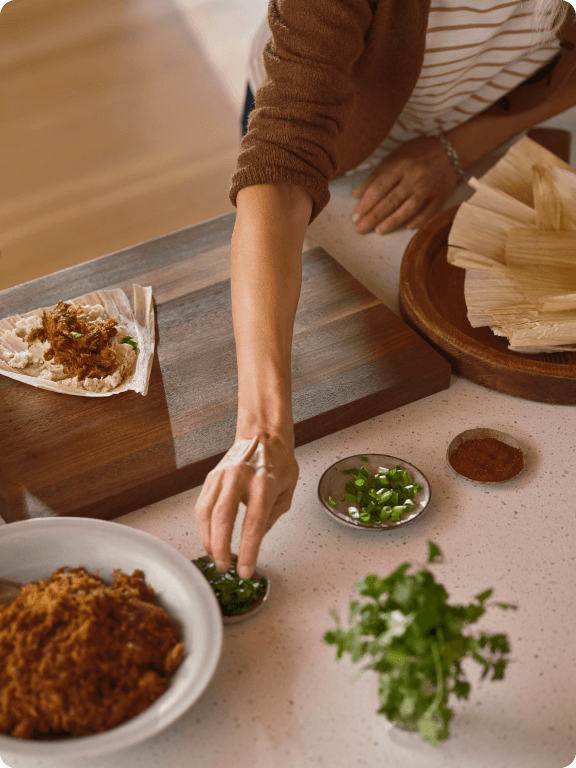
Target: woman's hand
{"points": [[409, 186], [260, 472]]}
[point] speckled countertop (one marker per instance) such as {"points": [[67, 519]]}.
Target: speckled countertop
{"points": [[279, 698]]}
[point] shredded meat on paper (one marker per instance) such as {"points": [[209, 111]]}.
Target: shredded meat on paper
{"points": [[79, 657], [87, 355]]}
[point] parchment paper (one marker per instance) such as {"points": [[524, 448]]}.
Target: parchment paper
{"points": [[140, 325]]}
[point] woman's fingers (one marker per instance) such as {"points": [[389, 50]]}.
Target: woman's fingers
{"points": [[263, 475], [380, 187], [224, 513], [425, 214], [204, 506], [410, 183], [270, 498], [260, 504], [385, 221]]}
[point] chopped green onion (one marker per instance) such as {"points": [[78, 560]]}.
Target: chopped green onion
{"points": [[363, 458], [130, 340], [386, 495], [76, 335], [332, 502]]}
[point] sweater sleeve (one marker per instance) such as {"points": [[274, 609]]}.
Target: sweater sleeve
{"points": [[303, 105]]}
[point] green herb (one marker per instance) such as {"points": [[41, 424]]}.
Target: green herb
{"points": [[414, 641], [130, 340], [76, 335], [234, 594], [332, 501], [386, 495]]}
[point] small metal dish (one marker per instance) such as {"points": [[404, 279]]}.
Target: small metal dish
{"points": [[479, 433], [257, 606], [333, 481]]}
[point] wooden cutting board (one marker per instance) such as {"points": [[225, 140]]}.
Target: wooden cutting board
{"points": [[103, 457]]}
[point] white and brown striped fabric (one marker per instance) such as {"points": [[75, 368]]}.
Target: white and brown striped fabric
{"points": [[476, 52]]}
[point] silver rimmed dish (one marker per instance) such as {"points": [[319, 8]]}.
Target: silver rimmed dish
{"points": [[480, 433], [333, 481]]}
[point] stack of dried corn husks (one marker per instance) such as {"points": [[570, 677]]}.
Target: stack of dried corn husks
{"points": [[516, 238]]}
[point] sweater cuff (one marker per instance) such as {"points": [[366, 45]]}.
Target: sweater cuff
{"points": [[247, 177]]}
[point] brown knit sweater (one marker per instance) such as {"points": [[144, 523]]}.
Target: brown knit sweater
{"points": [[339, 73]]}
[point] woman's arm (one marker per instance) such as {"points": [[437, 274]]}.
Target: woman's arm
{"points": [[412, 183], [267, 245], [486, 131]]}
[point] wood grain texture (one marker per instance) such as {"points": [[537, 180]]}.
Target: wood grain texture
{"points": [[432, 301], [113, 130], [61, 455]]}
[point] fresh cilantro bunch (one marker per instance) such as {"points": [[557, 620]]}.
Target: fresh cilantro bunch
{"points": [[386, 495], [234, 594], [414, 640]]}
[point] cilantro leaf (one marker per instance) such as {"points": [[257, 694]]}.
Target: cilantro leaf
{"points": [[234, 594], [434, 552]]}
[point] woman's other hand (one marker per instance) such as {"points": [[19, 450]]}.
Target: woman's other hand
{"points": [[260, 472], [408, 187]]}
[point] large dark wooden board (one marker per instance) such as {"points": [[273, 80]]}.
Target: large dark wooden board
{"points": [[102, 457]]}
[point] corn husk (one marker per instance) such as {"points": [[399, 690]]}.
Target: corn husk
{"points": [[547, 203], [547, 332], [558, 303], [542, 262], [460, 257], [512, 174], [492, 199], [489, 292], [480, 231], [140, 325], [515, 239], [565, 185]]}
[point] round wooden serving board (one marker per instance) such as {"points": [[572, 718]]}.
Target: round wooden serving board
{"points": [[432, 302]]}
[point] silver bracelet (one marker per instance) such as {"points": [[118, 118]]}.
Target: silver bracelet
{"points": [[453, 156]]}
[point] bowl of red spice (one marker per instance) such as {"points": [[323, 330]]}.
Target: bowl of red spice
{"points": [[486, 456], [114, 635]]}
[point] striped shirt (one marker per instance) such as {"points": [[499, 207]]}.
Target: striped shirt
{"points": [[474, 55]]}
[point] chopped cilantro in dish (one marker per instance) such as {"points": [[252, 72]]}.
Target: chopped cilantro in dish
{"points": [[235, 595]]}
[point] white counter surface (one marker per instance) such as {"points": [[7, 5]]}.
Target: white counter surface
{"points": [[279, 698]]}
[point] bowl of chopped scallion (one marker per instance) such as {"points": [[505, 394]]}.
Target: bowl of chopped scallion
{"points": [[374, 491]]}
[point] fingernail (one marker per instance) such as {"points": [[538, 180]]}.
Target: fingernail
{"points": [[355, 218], [244, 572], [221, 565]]}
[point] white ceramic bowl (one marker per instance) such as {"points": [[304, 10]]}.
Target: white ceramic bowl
{"points": [[33, 549]]}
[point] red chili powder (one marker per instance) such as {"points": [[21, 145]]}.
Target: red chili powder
{"points": [[487, 459]]}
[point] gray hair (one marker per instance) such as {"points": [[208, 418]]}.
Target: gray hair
{"points": [[549, 15]]}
